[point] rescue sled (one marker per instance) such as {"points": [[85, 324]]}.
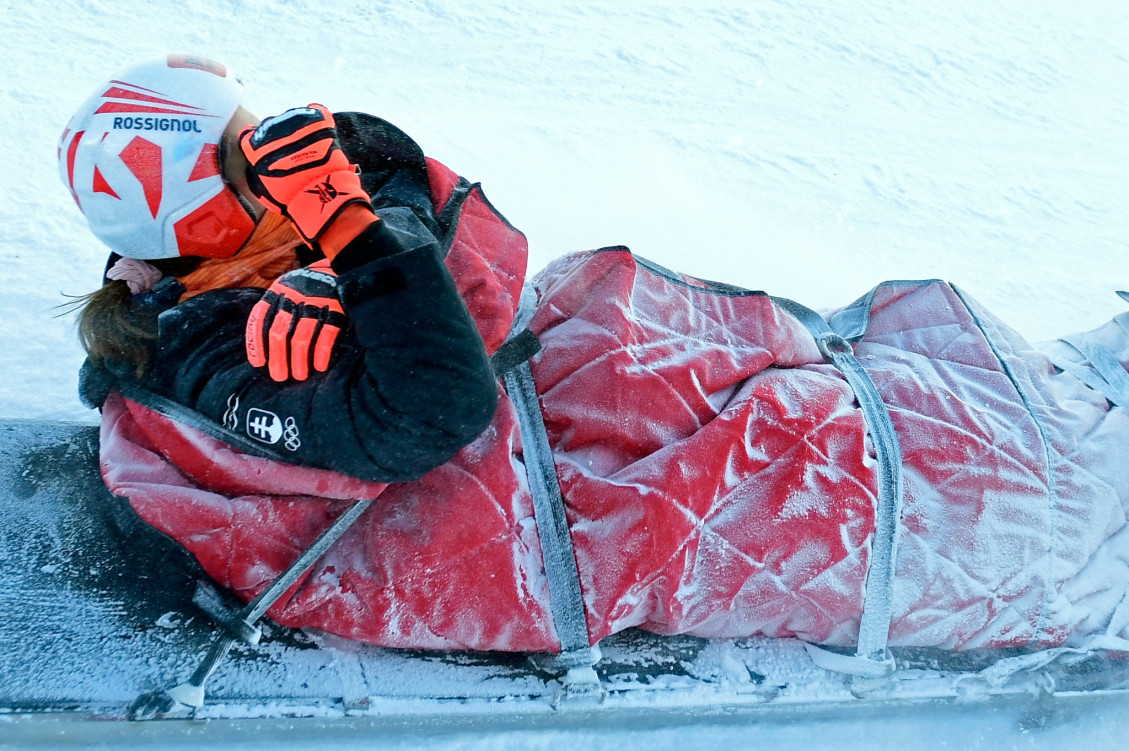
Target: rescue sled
{"points": [[97, 609]]}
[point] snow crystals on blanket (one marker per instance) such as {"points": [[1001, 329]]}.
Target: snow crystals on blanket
{"points": [[719, 481]]}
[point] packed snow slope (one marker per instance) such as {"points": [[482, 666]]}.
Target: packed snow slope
{"points": [[810, 149]]}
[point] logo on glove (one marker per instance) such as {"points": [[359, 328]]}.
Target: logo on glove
{"points": [[325, 192]]}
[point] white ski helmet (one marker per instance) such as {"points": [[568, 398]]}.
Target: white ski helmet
{"points": [[141, 158]]}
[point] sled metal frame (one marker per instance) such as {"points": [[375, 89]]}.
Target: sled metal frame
{"points": [[1032, 699], [187, 697]]}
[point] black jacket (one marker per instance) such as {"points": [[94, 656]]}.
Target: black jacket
{"points": [[410, 383]]}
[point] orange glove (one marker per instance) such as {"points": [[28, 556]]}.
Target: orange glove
{"points": [[296, 323], [298, 169]]}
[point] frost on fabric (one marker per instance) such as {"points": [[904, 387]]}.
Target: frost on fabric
{"points": [[718, 480]]}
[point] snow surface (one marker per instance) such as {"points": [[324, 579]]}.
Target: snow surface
{"points": [[811, 149]]}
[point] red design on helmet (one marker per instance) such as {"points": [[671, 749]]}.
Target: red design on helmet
{"points": [[211, 229], [207, 164], [118, 92], [72, 151], [144, 160], [101, 186]]}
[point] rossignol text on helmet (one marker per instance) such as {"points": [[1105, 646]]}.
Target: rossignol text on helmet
{"points": [[141, 158]]}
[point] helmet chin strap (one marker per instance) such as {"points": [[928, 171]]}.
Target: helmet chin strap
{"points": [[245, 204]]}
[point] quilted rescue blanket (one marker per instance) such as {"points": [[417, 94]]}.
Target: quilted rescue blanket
{"points": [[718, 476]]}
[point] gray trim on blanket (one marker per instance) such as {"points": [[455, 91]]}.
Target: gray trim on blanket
{"points": [[1052, 480], [852, 321]]}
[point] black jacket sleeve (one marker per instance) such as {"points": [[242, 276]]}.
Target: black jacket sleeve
{"points": [[410, 384], [393, 167]]}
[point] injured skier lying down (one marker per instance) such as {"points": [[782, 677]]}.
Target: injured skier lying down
{"points": [[306, 311]]}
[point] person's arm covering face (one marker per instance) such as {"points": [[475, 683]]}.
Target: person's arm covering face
{"points": [[410, 385]]}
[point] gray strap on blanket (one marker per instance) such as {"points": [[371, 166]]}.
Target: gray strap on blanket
{"points": [[1101, 371], [878, 601], [566, 599]]}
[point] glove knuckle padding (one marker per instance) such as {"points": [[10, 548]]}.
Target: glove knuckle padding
{"points": [[305, 155], [287, 304], [300, 140], [256, 346], [296, 323], [287, 124], [311, 283]]}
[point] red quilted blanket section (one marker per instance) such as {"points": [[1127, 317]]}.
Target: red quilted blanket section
{"points": [[718, 479]]}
